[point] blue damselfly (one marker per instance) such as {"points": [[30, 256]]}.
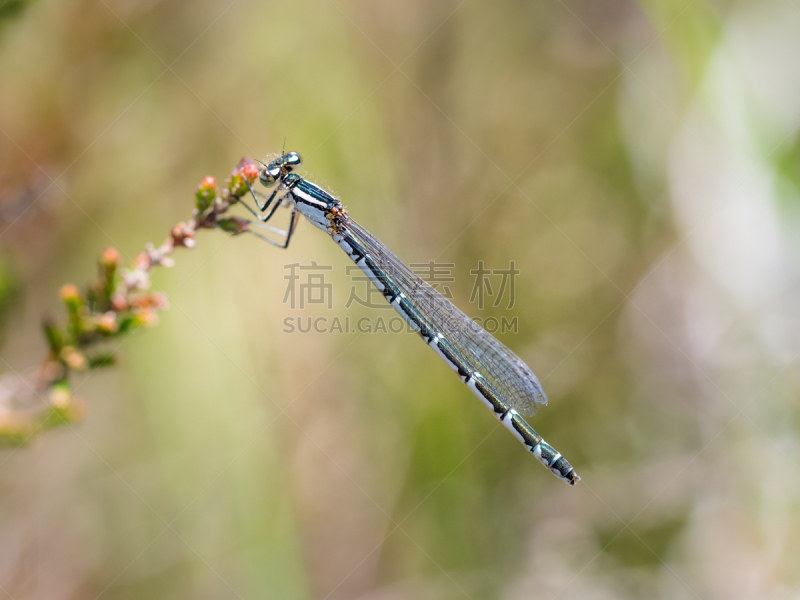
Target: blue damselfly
{"points": [[500, 379]]}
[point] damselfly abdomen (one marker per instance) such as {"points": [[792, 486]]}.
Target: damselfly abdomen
{"points": [[499, 378]]}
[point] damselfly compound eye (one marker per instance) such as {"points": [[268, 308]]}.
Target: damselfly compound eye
{"points": [[292, 160], [268, 176]]}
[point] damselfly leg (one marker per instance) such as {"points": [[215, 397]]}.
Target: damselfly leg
{"points": [[267, 199], [292, 226], [259, 236], [266, 204], [249, 208], [275, 203], [286, 234]]}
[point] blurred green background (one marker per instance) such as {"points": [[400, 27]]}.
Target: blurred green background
{"points": [[640, 163]]}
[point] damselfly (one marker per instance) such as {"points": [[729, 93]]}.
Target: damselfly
{"points": [[499, 378]]}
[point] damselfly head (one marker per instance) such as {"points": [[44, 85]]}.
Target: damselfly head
{"points": [[287, 162], [283, 165]]}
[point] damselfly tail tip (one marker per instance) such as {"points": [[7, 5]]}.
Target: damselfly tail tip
{"points": [[571, 478], [564, 471]]}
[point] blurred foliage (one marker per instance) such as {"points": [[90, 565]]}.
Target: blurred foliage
{"points": [[9, 291], [12, 8], [692, 39], [637, 162]]}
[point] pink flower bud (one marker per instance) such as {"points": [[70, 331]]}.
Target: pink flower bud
{"points": [[146, 318], [73, 359], [107, 322], [206, 192], [69, 292], [236, 185], [110, 258], [153, 301], [182, 236], [71, 297], [136, 279], [119, 303], [142, 261], [250, 172]]}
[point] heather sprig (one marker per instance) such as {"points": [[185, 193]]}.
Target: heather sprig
{"points": [[105, 311]]}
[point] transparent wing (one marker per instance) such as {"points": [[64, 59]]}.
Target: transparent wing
{"points": [[503, 369]]}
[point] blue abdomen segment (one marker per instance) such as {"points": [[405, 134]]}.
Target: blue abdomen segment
{"points": [[520, 429]]}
